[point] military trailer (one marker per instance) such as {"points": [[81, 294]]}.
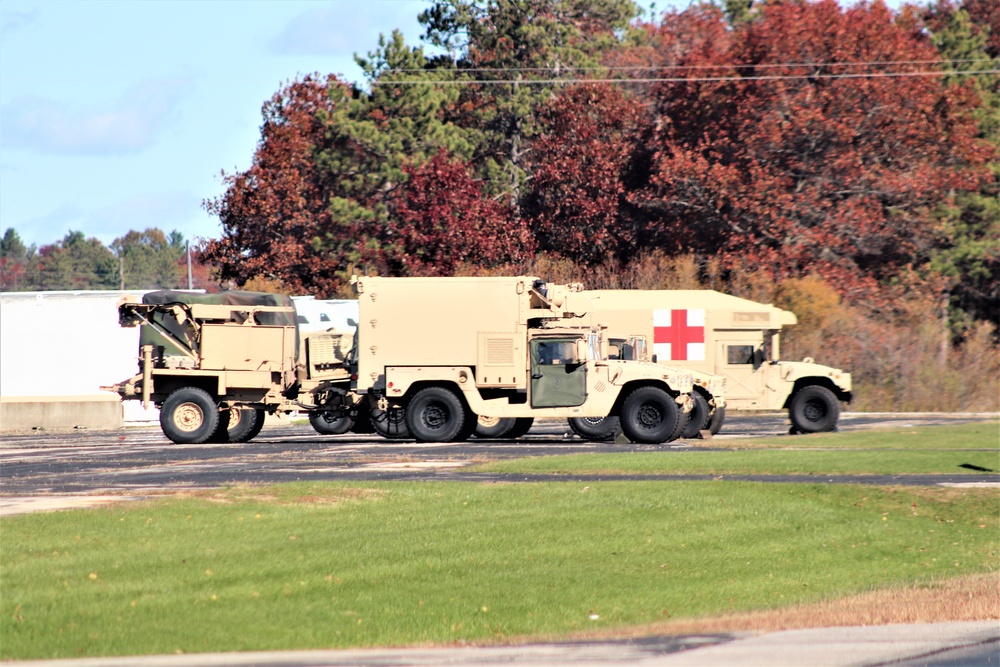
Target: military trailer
{"points": [[736, 338], [214, 364], [434, 353]]}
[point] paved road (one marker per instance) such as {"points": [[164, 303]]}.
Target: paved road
{"points": [[40, 469]]}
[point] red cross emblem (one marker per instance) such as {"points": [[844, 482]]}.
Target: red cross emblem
{"points": [[679, 335]]}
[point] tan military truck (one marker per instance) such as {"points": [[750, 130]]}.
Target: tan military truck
{"points": [[214, 364], [736, 338], [438, 352]]}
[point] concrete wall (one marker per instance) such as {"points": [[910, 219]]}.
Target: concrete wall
{"points": [[56, 350]]}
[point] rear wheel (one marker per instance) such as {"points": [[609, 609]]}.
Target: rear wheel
{"points": [[596, 428], [244, 423], [649, 415], [436, 414], [521, 427], [493, 427], [189, 416], [390, 423], [328, 422], [715, 422], [697, 418], [814, 409]]}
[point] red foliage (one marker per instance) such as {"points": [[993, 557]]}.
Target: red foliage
{"points": [[581, 160], [272, 212], [836, 176], [440, 219]]}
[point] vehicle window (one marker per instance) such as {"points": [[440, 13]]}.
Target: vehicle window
{"points": [[739, 354], [302, 319], [323, 317], [555, 352]]}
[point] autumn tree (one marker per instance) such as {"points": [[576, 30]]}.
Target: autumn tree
{"points": [[780, 150], [273, 213], [441, 220], [581, 163]]}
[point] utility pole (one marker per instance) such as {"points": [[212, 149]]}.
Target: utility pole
{"points": [[188, 243]]}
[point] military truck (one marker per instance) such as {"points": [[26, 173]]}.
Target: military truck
{"points": [[437, 352], [732, 337], [214, 364]]}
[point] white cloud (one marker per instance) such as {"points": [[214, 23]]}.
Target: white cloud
{"points": [[131, 124], [11, 22], [331, 30]]}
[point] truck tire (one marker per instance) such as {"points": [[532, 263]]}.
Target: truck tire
{"points": [[521, 427], [326, 422], [247, 426], [390, 423], [596, 429], [493, 427], [189, 416], [649, 415], [715, 421], [436, 414], [697, 418], [814, 409]]}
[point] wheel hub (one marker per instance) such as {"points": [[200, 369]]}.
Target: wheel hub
{"points": [[188, 417], [649, 416], [435, 416], [814, 411]]}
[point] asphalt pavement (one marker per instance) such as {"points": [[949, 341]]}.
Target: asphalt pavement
{"points": [[969, 644]]}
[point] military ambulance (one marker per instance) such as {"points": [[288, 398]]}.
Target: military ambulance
{"points": [[736, 338], [434, 353]]}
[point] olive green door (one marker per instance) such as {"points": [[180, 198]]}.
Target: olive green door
{"points": [[558, 377]]}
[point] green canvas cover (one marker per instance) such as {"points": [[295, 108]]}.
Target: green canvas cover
{"points": [[183, 334]]}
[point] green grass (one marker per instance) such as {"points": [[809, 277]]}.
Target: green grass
{"points": [[930, 449], [343, 564]]}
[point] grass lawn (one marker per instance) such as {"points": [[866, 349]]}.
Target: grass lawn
{"points": [[929, 449], [353, 564]]}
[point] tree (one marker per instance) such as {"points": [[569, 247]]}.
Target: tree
{"points": [[14, 260], [442, 220], [75, 263], [581, 162], [968, 251], [812, 171], [149, 260], [273, 213], [520, 44]]}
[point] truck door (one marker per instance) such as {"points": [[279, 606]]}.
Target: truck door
{"points": [[740, 362], [558, 377]]}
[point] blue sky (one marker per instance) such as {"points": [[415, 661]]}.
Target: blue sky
{"points": [[118, 115]]}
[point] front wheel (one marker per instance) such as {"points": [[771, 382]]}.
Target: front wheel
{"points": [[697, 418], [189, 416], [649, 415], [596, 429], [436, 414], [715, 423], [814, 409]]}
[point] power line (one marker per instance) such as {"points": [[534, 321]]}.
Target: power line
{"points": [[659, 68], [682, 79]]}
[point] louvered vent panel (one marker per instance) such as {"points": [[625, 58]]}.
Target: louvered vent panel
{"points": [[499, 352], [600, 386]]}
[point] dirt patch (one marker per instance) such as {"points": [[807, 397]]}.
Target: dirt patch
{"points": [[967, 598]]}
